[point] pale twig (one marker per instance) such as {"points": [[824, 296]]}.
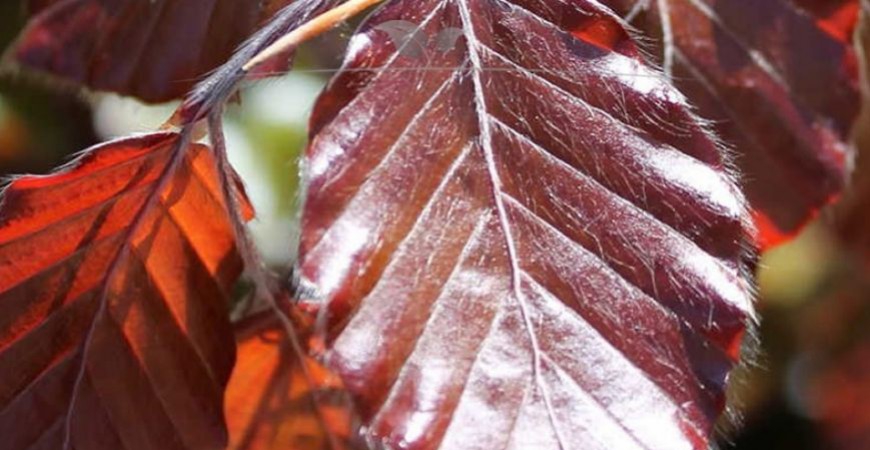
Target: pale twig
{"points": [[316, 26]]}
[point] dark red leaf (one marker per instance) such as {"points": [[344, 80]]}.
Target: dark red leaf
{"points": [[525, 240], [839, 389], [779, 79], [153, 49], [113, 317], [273, 404]]}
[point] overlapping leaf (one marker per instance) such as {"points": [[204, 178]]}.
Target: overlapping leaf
{"points": [[271, 403], [114, 330], [524, 240], [217, 88], [155, 50], [779, 78]]}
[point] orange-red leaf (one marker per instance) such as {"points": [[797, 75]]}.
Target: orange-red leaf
{"points": [[113, 315], [271, 403], [525, 240]]}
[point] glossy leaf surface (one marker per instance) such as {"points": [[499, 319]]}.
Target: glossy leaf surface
{"points": [[155, 50], [272, 403], [779, 79], [113, 318], [524, 240]]}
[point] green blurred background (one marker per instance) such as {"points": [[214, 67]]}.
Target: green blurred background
{"points": [[807, 387]]}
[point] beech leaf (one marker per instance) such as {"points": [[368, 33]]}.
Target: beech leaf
{"points": [[779, 79], [525, 241], [114, 330]]}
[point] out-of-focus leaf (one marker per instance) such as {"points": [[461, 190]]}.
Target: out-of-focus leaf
{"points": [[779, 79], [838, 380], [113, 317], [839, 390], [841, 398], [153, 49], [854, 220], [525, 240], [853, 212], [271, 403]]}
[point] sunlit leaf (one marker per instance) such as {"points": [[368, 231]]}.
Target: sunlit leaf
{"points": [[272, 403], [524, 240], [114, 330]]}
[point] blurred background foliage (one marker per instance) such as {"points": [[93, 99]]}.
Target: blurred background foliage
{"points": [[807, 387]]}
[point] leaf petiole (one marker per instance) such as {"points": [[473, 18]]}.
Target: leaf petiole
{"points": [[314, 27]]}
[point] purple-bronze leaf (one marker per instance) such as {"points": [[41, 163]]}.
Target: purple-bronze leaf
{"points": [[779, 78], [524, 240]]}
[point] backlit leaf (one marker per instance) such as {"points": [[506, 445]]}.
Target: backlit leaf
{"points": [[523, 240], [271, 403], [114, 330]]}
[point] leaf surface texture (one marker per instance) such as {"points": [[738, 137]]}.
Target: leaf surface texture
{"points": [[114, 332], [523, 240]]}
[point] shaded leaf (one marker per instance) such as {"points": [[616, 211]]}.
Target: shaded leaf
{"points": [[113, 316], [155, 50], [526, 241], [270, 401], [779, 78]]}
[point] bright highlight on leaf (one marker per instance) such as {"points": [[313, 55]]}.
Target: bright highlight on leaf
{"points": [[527, 241], [520, 227]]}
